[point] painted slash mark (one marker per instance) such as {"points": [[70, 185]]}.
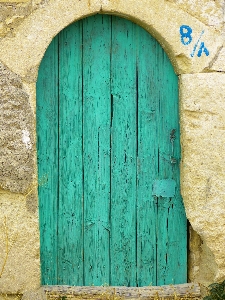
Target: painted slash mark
{"points": [[26, 138], [186, 39]]}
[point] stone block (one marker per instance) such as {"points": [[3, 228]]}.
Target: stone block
{"points": [[19, 245], [202, 115]]}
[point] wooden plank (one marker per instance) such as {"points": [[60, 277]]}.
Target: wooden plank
{"points": [[47, 151], [96, 146], [123, 154], [147, 166], [70, 216], [182, 291], [171, 225]]}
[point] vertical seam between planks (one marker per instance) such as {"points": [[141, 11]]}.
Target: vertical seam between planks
{"points": [[157, 199], [110, 152], [137, 126], [156, 251], [57, 213], [82, 132]]}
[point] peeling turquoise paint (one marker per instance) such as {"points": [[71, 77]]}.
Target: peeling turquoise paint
{"points": [[107, 102]]}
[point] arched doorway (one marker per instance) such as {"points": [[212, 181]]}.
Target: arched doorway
{"points": [[108, 158]]}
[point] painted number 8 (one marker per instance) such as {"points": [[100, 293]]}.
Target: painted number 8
{"points": [[185, 34]]}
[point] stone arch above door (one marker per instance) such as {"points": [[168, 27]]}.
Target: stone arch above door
{"points": [[24, 51]]}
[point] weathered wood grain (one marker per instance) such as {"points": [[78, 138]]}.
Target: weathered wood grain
{"points": [[47, 148], [147, 157], [183, 291], [123, 154], [171, 220], [96, 148], [70, 198]]}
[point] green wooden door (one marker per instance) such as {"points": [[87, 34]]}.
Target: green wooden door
{"points": [[108, 158]]}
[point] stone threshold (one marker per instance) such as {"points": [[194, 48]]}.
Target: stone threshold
{"points": [[62, 292]]}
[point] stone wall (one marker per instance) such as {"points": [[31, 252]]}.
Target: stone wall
{"points": [[26, 29]]}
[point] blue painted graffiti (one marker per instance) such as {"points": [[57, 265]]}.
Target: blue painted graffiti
{"points": [[186, 39], [202, 48], [185, 34]]}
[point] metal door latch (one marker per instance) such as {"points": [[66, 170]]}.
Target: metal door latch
{"points": [[164, 188]]}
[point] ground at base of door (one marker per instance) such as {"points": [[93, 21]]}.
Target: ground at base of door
{"points": [[190, 291]]}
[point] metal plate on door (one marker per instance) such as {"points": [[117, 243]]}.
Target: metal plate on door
{"points": [[164, 188]]}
